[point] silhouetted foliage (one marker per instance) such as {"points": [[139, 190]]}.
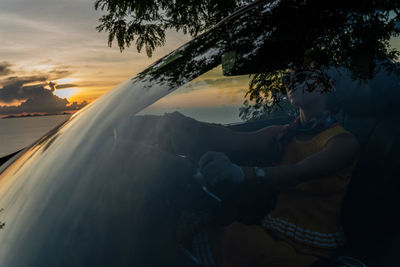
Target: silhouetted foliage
{"points": [[146, 21], [265, 95], [350, 34], [267, 91]]}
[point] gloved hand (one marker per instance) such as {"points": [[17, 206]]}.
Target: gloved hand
{"points": [[216, 167]]}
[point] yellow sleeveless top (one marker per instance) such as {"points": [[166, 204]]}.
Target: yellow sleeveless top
{"points": [[309, 213]]}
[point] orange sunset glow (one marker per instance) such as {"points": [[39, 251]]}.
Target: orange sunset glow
{"points": [[65, 59]]}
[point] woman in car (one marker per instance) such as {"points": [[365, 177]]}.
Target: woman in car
{"points": [[313, 160]]}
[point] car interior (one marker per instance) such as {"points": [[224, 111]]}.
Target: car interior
{"points": [[368, 109]]}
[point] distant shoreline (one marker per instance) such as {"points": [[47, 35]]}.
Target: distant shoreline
{"points": [[35, 115]]}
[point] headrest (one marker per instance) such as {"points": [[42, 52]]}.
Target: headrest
{"points": [[379, 96]]}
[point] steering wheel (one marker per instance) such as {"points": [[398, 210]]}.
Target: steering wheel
{"points": [[182, 135]]}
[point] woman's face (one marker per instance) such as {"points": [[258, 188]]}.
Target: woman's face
{"points": [[298, 93]]}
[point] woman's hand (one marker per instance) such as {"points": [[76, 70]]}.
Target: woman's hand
{"points": [[216, 167], [180, 134]]}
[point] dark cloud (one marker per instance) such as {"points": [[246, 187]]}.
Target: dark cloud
{"points": [[65, 85], [14, 80], [75, 105], [32, 94], [57, 74], [52, 86], [14, 88], [35, 98], [5, 68]]}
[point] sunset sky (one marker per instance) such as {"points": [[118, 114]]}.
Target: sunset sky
{"points": [[45, 41], [53, 59]]}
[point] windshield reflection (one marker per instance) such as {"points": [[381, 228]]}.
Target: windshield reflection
{"points": [[101, 190]]}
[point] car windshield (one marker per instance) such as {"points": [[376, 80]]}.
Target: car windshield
{"points": [[103, 189], [79, 196]]}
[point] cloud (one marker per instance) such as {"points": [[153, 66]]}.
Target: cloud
{"points": [[55, 86], [56, 74], [52, 86], [33, 96], [37, 100], [14, 88], [66, 85], [5, 68]]}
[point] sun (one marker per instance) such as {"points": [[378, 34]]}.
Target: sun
{"points": [[65, 92]]}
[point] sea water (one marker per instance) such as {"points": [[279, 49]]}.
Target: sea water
{"points": [[17, 133]]}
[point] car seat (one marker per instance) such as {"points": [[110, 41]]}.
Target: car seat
{"points": [[370, 110]]}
